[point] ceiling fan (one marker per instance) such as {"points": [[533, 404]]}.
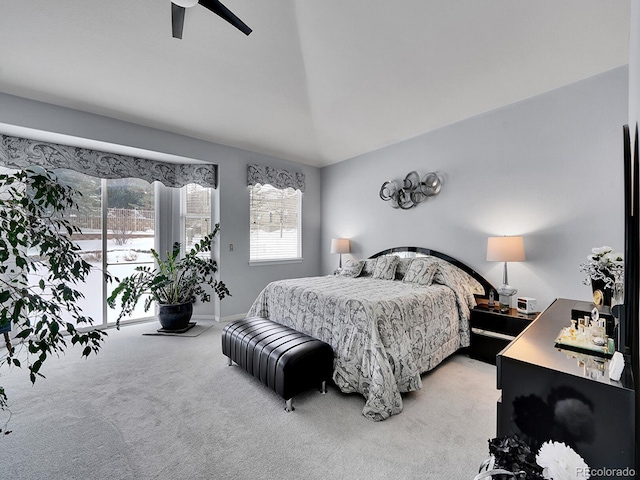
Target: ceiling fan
{"points": [[178, 8]]}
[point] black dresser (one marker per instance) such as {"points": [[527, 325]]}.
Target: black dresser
{"points": [[550, 393]]}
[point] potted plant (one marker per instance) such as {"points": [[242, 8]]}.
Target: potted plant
{"points": [[174, 283]]}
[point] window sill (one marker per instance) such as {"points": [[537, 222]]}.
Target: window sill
{"points": [[259, 263]]}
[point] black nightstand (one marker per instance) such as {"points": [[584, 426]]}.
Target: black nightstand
{"points": [[491, 330]]}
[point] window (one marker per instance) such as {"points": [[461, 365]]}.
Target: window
{"points": [[130, 232], [120, 237], [275, 215], [117, 238], [128, 205], [196, 215]]}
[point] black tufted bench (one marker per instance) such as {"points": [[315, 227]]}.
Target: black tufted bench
{"points": [[282, 358]]}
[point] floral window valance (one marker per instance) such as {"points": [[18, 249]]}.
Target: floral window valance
{"points": [[275, 177], [16, 152]]}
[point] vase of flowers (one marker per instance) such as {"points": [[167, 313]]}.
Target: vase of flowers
{"points": [[512, 458], [604, 272]]}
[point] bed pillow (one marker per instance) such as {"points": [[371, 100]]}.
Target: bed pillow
{"points": [[448, 274], [368, 267], [385, 268], [352, 268], [421, 271], [402, 267]]}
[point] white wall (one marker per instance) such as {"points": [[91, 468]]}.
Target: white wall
{"points": [[243, 281], [548, 168]]}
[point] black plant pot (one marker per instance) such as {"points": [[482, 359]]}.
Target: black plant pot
{"points": [[175, 317]]}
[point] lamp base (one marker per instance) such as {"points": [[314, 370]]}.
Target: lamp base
{"points": [[504, 303], [505, 292]]}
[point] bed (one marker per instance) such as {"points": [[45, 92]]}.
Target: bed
{"points": [[389, 319]]}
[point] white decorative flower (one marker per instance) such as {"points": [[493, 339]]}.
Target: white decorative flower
{"points": [[612, 257], [599, 251], [603, 264], [561, 462]]}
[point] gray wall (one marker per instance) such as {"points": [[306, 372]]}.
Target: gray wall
{"points": [[243, 281], [548, 168]]}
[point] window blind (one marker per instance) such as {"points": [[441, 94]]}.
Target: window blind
{"points": [[275, 230]]}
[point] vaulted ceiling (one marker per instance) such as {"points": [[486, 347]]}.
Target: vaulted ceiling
{"points": [[317, 81]]}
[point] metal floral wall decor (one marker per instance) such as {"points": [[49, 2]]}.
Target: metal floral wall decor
{"points": [[411, 191]]}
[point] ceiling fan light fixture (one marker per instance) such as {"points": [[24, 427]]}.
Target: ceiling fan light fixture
{"points": [[179, 7], [185, 3]]}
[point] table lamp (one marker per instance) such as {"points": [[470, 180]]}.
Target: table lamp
{"points": [[505, 249], [340, 245]]}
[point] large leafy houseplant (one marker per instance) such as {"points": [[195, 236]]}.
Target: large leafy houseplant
{"points": [[40, 266], [172, 281]]}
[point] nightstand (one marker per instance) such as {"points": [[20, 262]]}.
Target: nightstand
{"points": [[492, 330]]}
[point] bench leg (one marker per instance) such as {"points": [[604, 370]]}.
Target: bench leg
{"points": [[323, 387], [229, 362], [288, 406]]}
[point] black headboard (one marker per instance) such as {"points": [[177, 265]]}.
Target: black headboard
{"points": [[419, 251]]}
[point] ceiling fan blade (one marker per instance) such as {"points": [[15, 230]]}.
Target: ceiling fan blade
{"points": [[219, 9], [177, 20]]}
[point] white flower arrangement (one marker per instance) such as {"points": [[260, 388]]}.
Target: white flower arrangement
{"points": [[554, 461], [560, 462], [603, 264]]}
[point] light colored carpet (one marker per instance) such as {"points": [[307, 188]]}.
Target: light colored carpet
{"points": [[155, 407]]}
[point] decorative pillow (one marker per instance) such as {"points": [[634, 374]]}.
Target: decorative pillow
{"points": [[352, 268], [385, 268], [403, 266], [448, 274], [368, 267], [421, 271]]}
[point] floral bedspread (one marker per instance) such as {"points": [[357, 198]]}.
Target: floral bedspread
{"points": [[384, 333]]}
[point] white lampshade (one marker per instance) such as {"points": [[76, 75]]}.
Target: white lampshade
{"points": [[185, 3], [340, 245], [505, 249]]}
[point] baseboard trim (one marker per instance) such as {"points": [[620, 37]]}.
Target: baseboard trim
{"points": [[232, 318], [205, 317]]}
